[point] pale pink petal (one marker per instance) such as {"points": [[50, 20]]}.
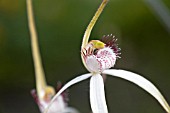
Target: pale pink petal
{"points": [[142, 82], [97, 94], [70, 83]]}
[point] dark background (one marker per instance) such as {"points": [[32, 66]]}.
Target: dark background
{"points": [[143, 38]]}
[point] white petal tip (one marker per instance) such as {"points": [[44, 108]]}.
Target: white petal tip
{"points": [[141, 82]]}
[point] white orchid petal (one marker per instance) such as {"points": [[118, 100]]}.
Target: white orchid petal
{"points": [[97, 94], [142, 82], [70, 83]]}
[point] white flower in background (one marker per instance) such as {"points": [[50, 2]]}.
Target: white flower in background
{"points": [[43, 93], [98, 57], [59, 105]]}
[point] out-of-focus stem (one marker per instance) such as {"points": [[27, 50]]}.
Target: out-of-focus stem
{"points": [[91, 25], [39, 72], [160, 10]]}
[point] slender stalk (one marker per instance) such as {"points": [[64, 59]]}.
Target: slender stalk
{"points": [[91, 25], [39, 72]]}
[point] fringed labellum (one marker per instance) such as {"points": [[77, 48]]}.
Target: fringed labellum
{"points": [[101, 55]]}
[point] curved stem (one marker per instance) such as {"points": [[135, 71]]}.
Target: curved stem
{"points": [[39, 72], [91, 25]]}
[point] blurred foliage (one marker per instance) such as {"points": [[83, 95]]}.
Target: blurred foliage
{"points": [[144, 42]]}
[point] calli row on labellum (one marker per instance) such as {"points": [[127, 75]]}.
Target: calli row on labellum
{"points": [[101, 55]]}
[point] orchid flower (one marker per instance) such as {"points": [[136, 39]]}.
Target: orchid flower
{"points": [[43, 93], [98, 57]]}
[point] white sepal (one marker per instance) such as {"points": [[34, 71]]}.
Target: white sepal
{"points": [[70, 83], [142, 82], [97, 94]]}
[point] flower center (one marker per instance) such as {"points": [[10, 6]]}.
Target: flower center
{"points": [[101, 55]]}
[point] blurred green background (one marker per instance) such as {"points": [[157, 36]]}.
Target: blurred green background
{"points": [[143, 39]]}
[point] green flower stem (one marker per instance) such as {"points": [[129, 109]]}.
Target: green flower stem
{"points": [[91, 25], [39, 72]]}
